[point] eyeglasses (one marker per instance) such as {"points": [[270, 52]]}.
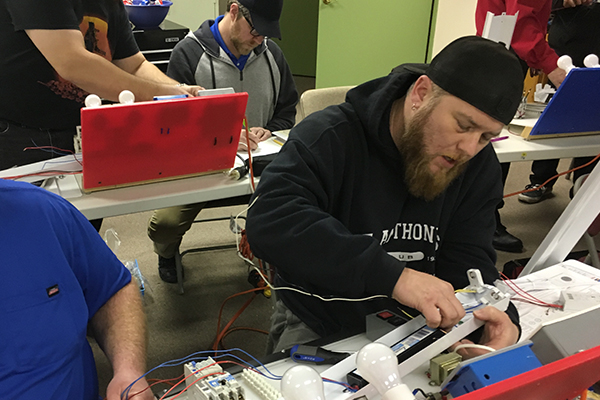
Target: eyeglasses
{"points": [[253, 30]]}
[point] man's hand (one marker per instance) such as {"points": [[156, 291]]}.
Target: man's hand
{"points": [[256, 135], [261, 133], [433, 297], [575, 3], [121, 381], [191, 90], [498, 332], [557, 76], [252, 139]]}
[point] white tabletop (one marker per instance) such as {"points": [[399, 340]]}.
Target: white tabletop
{"points": [[151, 196], [515, 148], [127, 200]]}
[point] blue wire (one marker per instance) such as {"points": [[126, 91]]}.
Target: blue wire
{"points": [[50, 150], [226, 353], [183, 360]]}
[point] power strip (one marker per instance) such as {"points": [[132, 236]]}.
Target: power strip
{"points": [[209, 382]]}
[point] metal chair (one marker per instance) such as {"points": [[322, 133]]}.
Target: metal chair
{"points": [[234, 201]]}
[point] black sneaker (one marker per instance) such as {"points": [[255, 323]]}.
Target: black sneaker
{"points": [[504, 241], [535, 196], [167, 270]]}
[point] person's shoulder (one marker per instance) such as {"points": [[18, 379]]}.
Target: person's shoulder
{"points": [[22, 195], [333, 121], [274, 49]]}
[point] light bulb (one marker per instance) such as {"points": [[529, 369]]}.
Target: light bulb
{"points": [[302, 383], [565, 63], [591, 61], [126, 97], [378, 364], [92, 100]]}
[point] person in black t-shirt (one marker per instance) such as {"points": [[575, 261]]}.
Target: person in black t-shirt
{"points": [[52, 54]]}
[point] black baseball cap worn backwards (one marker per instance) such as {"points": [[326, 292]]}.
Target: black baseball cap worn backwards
{"points": [[265, 16], [481, 72]]}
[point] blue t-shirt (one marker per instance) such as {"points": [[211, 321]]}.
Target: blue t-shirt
{"points": [[239, 62], [56, 273]]}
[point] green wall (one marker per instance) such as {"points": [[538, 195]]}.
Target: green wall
{"points": [[361, 40], [299, 35]]}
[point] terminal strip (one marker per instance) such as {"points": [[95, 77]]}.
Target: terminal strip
{"points": [[260, 385]]}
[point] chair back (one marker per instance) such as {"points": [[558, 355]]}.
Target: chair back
{"points": [[317, 99]]}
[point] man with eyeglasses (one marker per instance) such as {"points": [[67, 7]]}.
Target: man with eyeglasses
{"points": [[231, 51]]}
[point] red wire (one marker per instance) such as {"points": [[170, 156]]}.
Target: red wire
{"points": [[249, 154], [226, 300], [554, 177], [202, 377], [193, 373], [54, 148], [44, 173], [156, 382], [220, 335], [526, 295], [241, 328]]}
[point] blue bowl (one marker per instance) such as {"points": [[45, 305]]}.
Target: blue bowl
{"points": [[147, 16]]}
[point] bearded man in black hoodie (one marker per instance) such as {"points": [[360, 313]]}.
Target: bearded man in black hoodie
{"points": [[391, 194]]}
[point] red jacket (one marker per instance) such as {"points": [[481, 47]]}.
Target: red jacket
{"points": [[529, 38]]}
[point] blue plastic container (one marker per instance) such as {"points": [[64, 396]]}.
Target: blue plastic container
{"points": [[147, 16]]}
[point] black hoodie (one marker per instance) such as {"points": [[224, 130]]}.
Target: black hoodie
{"points": [[334, 215]]}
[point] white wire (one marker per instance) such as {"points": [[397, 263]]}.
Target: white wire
{"points": [[238, 237], [316, 295], [473, 346]]}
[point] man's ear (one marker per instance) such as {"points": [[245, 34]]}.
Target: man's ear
{"points": [[234, 11], [421, 89]]}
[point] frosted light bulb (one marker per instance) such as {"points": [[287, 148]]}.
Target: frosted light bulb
{"points": [[126, 97], [378, 364], [302, 383], [591, 61], [93, 100], [565, 63]]}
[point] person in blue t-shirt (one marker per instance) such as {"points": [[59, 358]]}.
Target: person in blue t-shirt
{"points": [[59, 279]]}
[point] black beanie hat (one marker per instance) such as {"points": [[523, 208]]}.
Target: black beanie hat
{"points": [[481, 72]]}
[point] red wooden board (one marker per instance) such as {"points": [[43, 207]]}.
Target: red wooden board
{"points": [[561, 380], [140, 142]]}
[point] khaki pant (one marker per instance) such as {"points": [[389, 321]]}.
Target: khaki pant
{"points": [[168, 225]]}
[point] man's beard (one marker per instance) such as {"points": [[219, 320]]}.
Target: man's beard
{"points": [[421, 182], [242, 47]]}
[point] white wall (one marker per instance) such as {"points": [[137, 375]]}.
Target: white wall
{"points": [[192, 13], [455, 18]]}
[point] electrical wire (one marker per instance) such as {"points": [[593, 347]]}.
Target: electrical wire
{"points": [[250, 166], [528, 297], [377, 296], [554, 177], [227, 353], [49, 172], [241, 328], [473, 346], [205, 354], [220, 334]]}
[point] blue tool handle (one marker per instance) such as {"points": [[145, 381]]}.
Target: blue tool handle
{"points": [[315, 355]]}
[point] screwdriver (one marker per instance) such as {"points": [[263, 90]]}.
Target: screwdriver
{"points": [[315, 355]]}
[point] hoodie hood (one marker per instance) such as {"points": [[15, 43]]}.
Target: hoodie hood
{"points": [[372, 102], [205, 37]]}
